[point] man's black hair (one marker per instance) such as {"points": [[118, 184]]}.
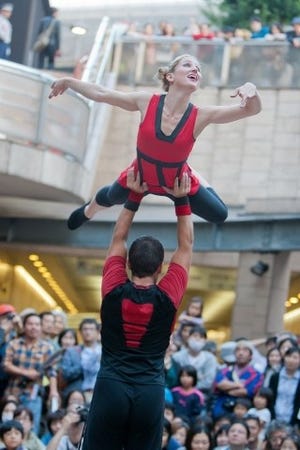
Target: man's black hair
{"points": [[145, 256]]}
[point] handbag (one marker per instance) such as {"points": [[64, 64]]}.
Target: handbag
{"points": [[44, 38]]}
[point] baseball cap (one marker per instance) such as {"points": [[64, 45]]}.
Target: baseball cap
{"points": [[5, 309], [227, 352], [296, 20]]}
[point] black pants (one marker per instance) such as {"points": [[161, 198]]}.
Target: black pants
{"points": [[205, 203], [125, 417]]}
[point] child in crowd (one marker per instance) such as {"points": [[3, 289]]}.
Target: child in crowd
{"points": [[241, 407], [221, 437], [12, 434], [168, 442], [187, 319], [25, 416], [193, 312], [54, 422], [262, 402], [291, 442], [169, 412], [180, 432], [187, 399]]}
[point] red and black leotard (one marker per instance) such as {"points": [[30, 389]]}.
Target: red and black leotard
{"points": [[160, 157]]}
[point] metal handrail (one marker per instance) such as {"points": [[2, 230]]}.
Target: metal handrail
{"points": [[97, 49]]}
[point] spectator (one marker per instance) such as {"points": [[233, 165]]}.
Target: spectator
{"points": [[187, 399], [204, 362], [52, 49], [285, 386], [276, 33], [169, 411], [192, 315], [24, 361], [271, 342], [293, 38], [25, 417], [47, 327], [80, 364], [276, 432], [10, 323], [241, 407], [254, 442], [221, 437], [263, 407], [60, 322], [225, 419], [7, 409], [179, 434], [54, 423], [168, 442], [238, 435], [181, 335], [76, 398], [12, 434], [67, 338], [6, 11], [285, 344], [199, 438], [241, 380], [291, 442], [274, 363], [69, 435], [257, 28]]}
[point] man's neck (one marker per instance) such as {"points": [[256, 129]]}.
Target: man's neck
{"points": [[144, 282], [30, 341], [90, 344]]}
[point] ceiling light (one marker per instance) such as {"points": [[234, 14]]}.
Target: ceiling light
{"points": [[36, 286], [78, 30], [33, 257]]}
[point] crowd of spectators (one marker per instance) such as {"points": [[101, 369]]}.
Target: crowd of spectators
{"points": [[256, 30], [272, 57], [230, 396]]}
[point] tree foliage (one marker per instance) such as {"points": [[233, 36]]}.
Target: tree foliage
{"points": [[237, 13]]}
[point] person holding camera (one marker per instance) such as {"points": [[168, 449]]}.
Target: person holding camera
{"points": [[69, 435], [10, 326]]}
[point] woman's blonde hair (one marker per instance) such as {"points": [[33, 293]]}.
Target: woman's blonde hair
{"points": [[163, 71]]}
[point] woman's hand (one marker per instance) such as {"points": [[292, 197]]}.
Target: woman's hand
{"points": [[181, 187], [59, 87], [134, 182], [247, 90]]}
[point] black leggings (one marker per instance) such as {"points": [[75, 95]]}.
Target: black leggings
{"points": [[205, 203], [125, 417]]}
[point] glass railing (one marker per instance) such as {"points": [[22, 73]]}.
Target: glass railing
{"points": [[268, 64]]}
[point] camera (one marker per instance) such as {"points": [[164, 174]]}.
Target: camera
{"points": [[83, 412], [10, 316]]}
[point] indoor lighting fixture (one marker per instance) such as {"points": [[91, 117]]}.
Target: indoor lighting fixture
{"points": [[45, 273], [78, 30], [260, 268], [35, 286]]}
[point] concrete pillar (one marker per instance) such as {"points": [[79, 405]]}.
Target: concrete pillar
{"points": [[278, 292], [252, 297]]}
